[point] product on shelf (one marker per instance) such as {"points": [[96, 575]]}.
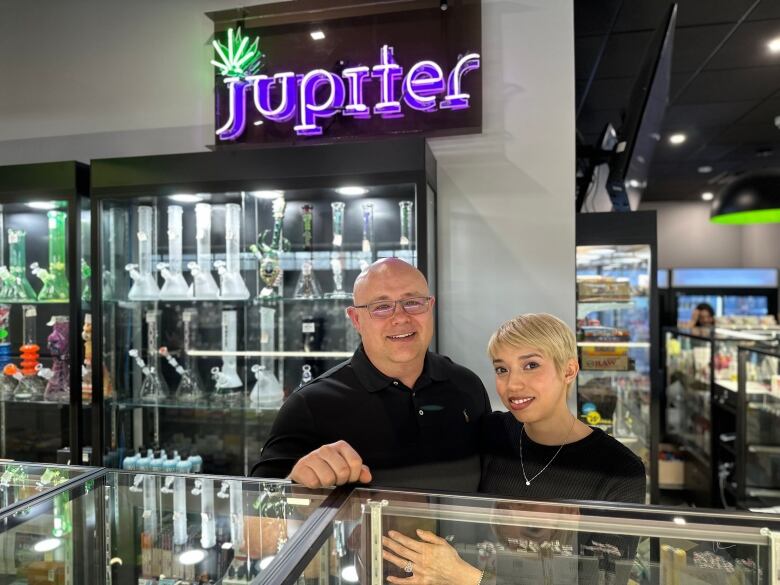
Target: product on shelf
{"points": [[86, 368], [337, 208], [16, 287], [337, 267], [602, 289], [597, 402], [267, 391], [337, 260], [190, 388], [30, 352], [227, 383], [58, 385], [144, 280], [153, 386], [232, 286], [174, 286], [368, 245], [55, 281], [603, 334], [405, 208], [269, 254], [5, 344], [307, 287], [203, 284], [86, 289], [306, 375], [605, 358]]}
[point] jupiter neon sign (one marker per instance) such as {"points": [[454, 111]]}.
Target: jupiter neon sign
{"points": [[319, 94]]}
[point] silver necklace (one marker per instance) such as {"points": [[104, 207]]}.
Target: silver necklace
{"points": [[522, 466]]}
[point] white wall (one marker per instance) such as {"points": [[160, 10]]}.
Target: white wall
{"points": [[686, 237], [100, 78]]}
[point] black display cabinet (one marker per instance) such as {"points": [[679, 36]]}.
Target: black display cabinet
{"points": [[223, 279], [44, 300], [617, 331]]}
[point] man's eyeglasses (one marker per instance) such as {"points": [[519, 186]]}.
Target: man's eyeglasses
{"points": [[386, 309]]}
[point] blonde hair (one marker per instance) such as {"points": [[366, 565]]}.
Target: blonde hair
{"points": [[541, 331]]}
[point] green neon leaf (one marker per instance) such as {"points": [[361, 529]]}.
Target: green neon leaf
{"points": [[238, 58], [748, 217]]}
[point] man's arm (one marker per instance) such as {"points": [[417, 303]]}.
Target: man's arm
{"points": [[295, 450]]}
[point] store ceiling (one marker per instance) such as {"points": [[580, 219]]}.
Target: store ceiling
{"points": [[725, 86]]}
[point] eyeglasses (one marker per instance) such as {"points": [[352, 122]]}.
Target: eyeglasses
{"points": [[386, 309]]}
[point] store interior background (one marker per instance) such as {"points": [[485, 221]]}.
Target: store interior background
{"points": [[112, 78]]}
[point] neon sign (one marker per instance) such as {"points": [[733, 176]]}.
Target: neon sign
{"points": [[320, 94]]}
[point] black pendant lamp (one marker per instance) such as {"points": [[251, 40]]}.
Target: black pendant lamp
{"points": [[754, 198]]}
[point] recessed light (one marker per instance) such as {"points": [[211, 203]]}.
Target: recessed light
{"points": [[677, 138], [317, 35], [774, 45], [704, 169], [274, 194], [45, 205], [707, 196], [352, 191], [47, 545], [186, 198]]}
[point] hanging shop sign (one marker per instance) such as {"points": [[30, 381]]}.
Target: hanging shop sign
{"points": [[351, 99]]}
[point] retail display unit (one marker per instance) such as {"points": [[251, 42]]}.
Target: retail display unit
{"points": [[702, 406], [131, 528], [757, 480], [617, 317], [43, 231], [223, 282]]}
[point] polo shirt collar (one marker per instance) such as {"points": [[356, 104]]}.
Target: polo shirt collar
{"points": [[373, 380]]}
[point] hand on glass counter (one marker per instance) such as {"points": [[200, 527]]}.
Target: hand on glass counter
{"points": [[333, 464], [430, 560]]}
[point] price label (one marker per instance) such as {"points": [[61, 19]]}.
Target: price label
{"points": [[308, 327]]}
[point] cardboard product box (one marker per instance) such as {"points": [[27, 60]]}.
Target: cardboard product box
{"points": [[671, 472], [607, 363]]}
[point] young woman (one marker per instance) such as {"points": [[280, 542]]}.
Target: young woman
{"points": [[536, 450]]}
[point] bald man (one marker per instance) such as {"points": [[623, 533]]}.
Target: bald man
{"points": [[394, 414]]}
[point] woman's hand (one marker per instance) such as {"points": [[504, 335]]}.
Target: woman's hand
{"points": [[433, 560]]}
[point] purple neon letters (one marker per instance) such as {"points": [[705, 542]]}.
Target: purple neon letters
{"points": [[301, 96]]}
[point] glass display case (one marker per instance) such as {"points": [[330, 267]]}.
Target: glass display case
{"points": [[131, 528], [224, 279], [616, 331], [758, 432], [42, 251]]}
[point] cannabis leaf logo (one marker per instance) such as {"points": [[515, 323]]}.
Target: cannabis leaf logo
{"points": [[239, 58]]}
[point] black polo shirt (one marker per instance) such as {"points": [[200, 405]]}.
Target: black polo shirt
{"points": [[426, 437]]}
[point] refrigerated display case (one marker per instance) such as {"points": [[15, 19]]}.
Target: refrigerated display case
{"points": [[757, 481], [131, 528], [224, 279], [43, 210], [617, 316]]}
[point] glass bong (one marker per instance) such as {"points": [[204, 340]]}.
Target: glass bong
{"points": [[267, 391], [55, 282], [368, 244], [232, 286], [337, 261], [16, 287], [190, 388], [307, 286], [58, 385], [269, 254], [7, 382], [174, 287], [227, 383], [203, 284], [32, 381], [153, 386], [144, 280]]}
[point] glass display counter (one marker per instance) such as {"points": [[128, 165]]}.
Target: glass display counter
{"points": [[128, 528]]}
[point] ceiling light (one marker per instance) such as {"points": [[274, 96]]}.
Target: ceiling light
{"points": [[707, 196], [351, 191], [186, 198], [750, 199], [192, 557], [317, 35], [774, 45], [677, 138], [704, 169], [275, 194], [46, 545], [45, 205]]}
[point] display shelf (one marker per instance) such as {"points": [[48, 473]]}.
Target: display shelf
{"points": [[751, 387], [213, 406], [585, 308]]}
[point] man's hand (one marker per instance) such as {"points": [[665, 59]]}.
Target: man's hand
{"points": [[334, 464]]}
